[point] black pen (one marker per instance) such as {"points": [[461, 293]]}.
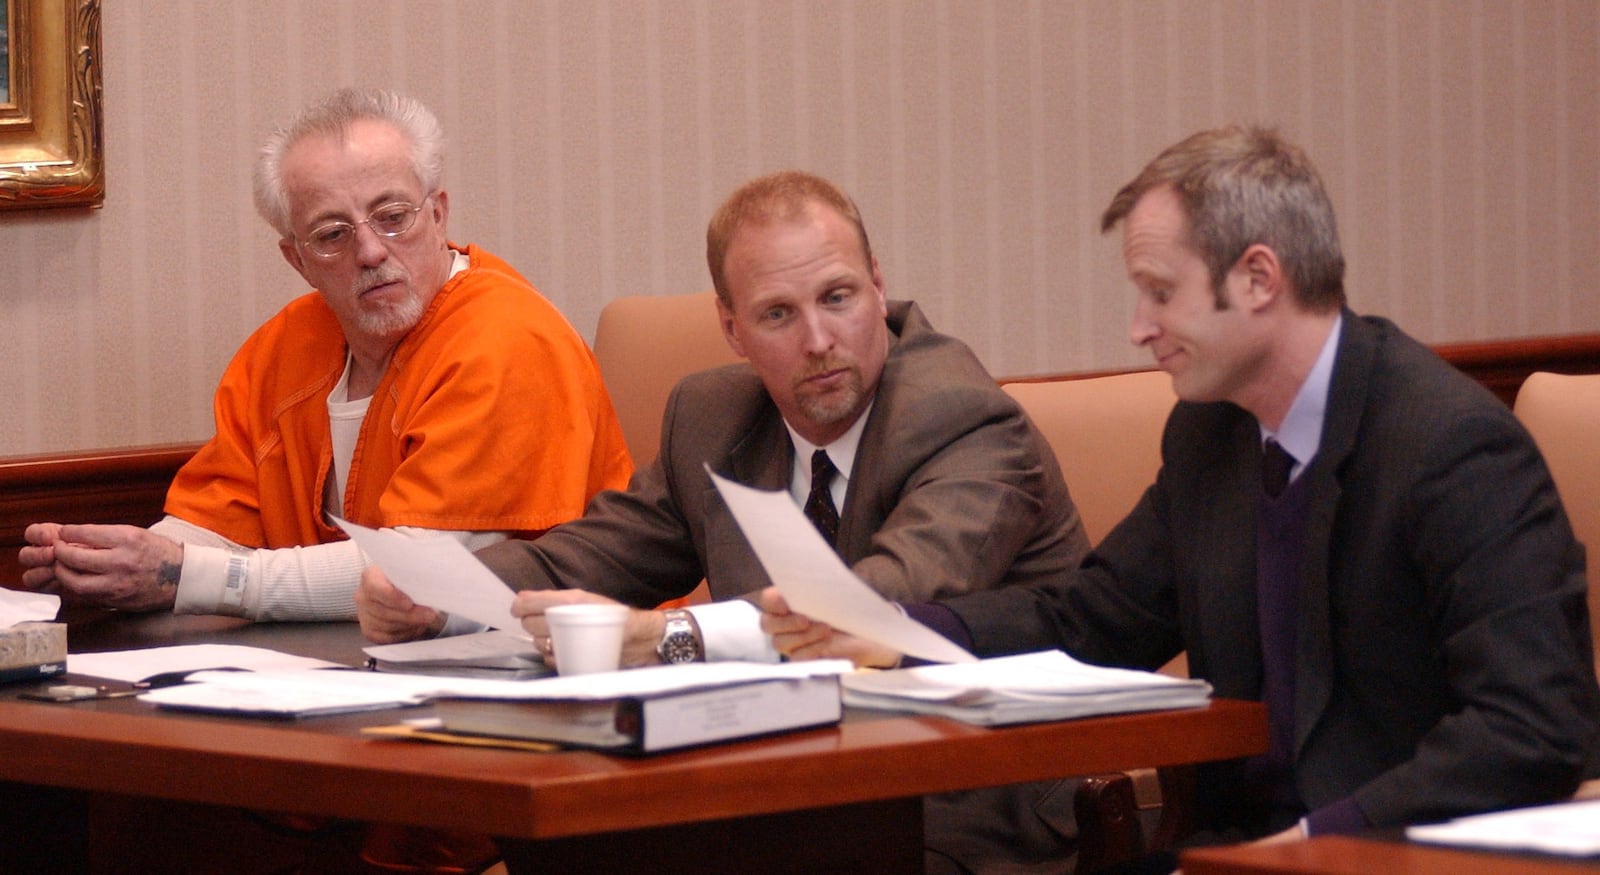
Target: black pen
{"points": [[173, 678]]}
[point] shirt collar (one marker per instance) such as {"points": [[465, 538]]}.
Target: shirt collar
{"points": [[841, 452], [1300, 433]]}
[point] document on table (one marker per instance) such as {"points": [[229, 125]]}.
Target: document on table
{"points": [[815, 581], [1047, 685], [303, 693], [1569, 828], [494, 649], [439, 572], [136, 665]]}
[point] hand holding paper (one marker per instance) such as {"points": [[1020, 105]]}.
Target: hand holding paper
{"points": [[438, 572], [815, 581]]}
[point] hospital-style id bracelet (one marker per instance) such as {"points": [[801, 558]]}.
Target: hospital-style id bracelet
{"points": [[233, 592]]}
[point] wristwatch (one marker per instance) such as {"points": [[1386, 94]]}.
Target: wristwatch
{"points": [[681, 641]]}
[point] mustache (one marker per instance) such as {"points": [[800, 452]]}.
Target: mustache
{"points": [[377, 276], [825, 367]]}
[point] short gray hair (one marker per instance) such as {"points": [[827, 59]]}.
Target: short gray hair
{"points": [[1246, 185], [334, 115]]}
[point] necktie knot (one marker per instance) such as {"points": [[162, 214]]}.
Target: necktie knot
{"points": [[1276, 463], [819, 504]]}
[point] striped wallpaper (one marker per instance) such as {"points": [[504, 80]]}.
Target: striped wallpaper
{"points": [[590, 141]]}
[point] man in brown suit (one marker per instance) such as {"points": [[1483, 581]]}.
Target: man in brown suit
{"points": [[943, 485]]}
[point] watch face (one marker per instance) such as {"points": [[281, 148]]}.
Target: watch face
{"points": [[680, 647]]}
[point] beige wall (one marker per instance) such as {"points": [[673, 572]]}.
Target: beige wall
{"points": [[591, 140]]}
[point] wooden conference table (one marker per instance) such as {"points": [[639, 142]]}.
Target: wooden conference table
{"points": [[845, 798], [1347, 855]]}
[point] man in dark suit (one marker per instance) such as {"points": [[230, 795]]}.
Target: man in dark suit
{"points": [[1404, 592], [943, 485]]}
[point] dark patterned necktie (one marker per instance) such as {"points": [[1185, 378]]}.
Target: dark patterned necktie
{"points": [[819, 504], [1276, 463]]}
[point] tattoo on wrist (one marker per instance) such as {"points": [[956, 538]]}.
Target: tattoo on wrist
{"points": [[167, 574]]}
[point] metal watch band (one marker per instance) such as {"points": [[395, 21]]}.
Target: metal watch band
{"points": [[680, 641]]}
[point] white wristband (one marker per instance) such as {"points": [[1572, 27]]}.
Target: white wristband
{"points": [[233, 591]]}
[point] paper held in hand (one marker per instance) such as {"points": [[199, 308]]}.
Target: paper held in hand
{"points": [[439, 572], [1015, 689], [815, 581]]}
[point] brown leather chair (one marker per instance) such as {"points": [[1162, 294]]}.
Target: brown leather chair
{"points": [[1562, 412], [1106, 434], [644, 345]]}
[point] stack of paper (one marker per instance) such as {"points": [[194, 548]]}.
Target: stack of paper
{"points": [[1048, 685], [1571, 828], [496, 653]]}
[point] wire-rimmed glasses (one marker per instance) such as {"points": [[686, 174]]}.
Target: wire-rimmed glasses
{"points": [[333, 239]]}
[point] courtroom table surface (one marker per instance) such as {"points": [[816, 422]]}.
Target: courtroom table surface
{"points": [[325, 767], [1370, 855]]}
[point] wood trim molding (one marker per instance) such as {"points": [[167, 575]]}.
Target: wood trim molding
{"points": [[120, 485], [1500, 365]]}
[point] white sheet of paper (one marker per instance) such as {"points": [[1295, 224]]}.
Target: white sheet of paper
{"points": [[21, 606], [439, 572], [287, 693], [815, 581], [133, 665], [1571, 828], [480, 645]]}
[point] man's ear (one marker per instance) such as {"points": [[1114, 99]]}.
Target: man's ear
{"points": [[1263, 274], [441, 209], [725, 316], [291, 254]]}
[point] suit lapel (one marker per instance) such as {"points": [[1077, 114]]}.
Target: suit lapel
{"points": [[862, 514], [1347, 399], [1225, 596], [762, 460], [765, 457]]}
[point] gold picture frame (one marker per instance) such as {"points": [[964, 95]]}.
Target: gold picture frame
{"points": [[50, 117]]}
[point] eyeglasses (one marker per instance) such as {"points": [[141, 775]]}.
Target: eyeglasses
{"points": [[392, 219]]}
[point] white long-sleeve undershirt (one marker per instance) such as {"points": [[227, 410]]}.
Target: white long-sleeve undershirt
{"points": [[292, 583]]}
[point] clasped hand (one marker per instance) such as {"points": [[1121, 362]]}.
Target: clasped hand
{"points": [[124, 567]]}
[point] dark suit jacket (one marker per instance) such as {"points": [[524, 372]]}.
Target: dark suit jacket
{"points": [[1443, 663], [953, 490]]}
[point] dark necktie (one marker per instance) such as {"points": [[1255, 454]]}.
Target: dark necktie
{"points": [[819, 504], [1275, 466]]}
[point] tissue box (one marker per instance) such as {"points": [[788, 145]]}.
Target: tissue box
{"points": [[32, 651]]}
